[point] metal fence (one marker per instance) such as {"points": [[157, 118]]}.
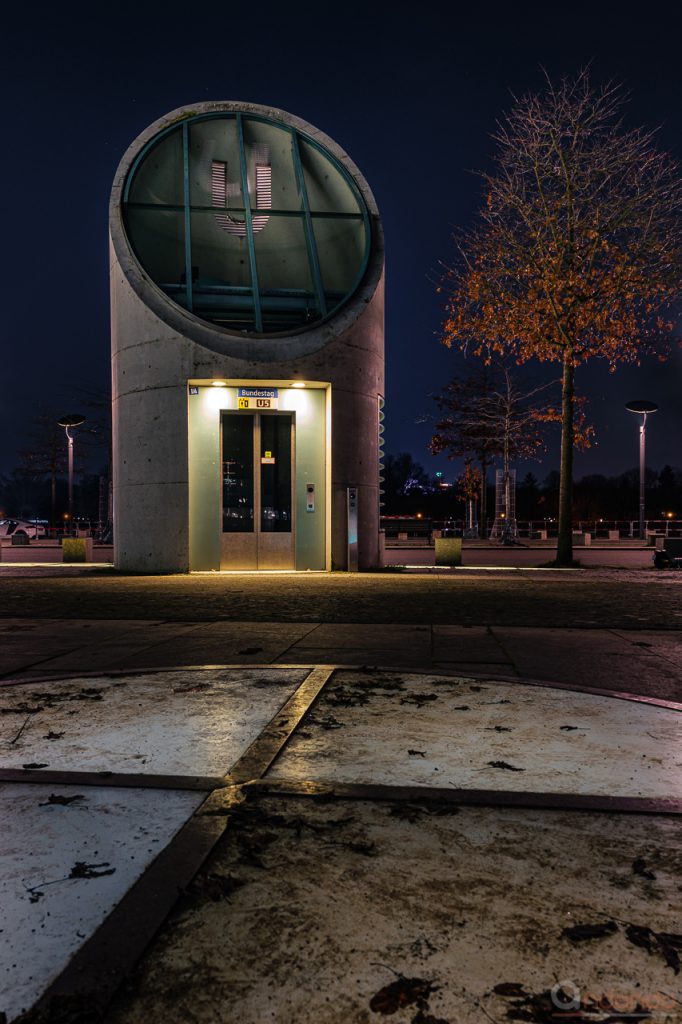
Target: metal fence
{"points": [[403, 529]]}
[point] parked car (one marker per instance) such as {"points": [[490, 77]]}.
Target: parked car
{"points": [[21, 528]]}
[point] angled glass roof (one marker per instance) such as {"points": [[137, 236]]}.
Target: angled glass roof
{"points": [[247, 223]]}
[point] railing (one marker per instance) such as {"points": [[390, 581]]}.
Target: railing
{"points": [[412, 528]]}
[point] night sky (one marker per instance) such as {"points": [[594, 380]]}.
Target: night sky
{"points": [[411, 91]]}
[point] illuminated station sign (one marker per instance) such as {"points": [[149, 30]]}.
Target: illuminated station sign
{"points": [[257, 398]]}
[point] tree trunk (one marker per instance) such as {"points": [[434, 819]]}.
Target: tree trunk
{"points": [[483, 529], [564, 549]]}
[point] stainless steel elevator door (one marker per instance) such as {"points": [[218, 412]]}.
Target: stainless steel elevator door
{"points": [[257, 511]]}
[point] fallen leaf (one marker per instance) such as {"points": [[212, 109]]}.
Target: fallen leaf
{"points": [[417, 753], [63, 801], [509, 988], [639, 868], [503, 764], [83, 870], [584, 932], [419, 698], [400, 993], [216, 886], [251, 650], [33, 766], [641, 936]]}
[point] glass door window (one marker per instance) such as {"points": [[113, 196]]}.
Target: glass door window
{"points": [[257, 490], [275, 474], [237, 462]]}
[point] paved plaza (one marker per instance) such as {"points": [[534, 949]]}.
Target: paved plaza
{"points": [[434, 797]]}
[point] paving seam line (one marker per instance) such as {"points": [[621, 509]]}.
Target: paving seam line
{"points": [[97, 969], [111, 780], [653, 652], [315, 625], [527, 800], [68, 675]]}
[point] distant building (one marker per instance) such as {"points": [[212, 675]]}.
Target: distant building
{"points": [[247, 345]]}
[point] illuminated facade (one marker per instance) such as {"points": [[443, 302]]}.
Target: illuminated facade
{"points": [[247, 345]]}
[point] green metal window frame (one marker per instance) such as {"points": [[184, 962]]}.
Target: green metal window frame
{"points": [[305, 215]]}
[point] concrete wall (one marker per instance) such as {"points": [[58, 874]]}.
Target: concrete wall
{"points": [[157, 348]]}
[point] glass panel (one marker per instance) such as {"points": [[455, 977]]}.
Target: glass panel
{"points": [[158, 240], [341, 252], [275, 475], [268, 146], [158, 179], [213, 144], [237, 473], [221, 272], [328, 190], [284, 276]]}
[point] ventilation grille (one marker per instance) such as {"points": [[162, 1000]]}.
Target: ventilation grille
{"points": [[222, 190]]}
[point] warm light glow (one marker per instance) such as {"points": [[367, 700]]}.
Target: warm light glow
{"points": [[419, 515], [298, 384], [218, 384]]}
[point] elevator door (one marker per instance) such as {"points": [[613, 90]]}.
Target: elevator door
{"points": [[257, 490]]}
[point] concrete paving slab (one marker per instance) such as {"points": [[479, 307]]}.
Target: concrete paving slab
{"points": [[111, 651], [220, 643], [177, 723], [67, 856], [358, 644], [485, 669], [426, 730], [666, 645], [585, 656], [358, 911], [468, 644], [24, 644], [359, 634]]}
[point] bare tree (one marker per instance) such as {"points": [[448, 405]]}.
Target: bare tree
{"points": [[578, 249], [490, 415]]}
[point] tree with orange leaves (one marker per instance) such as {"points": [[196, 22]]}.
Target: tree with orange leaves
{"points": [[578, 250]]}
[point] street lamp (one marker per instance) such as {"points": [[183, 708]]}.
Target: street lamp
{"points": [[74, 420], [642, 408]]}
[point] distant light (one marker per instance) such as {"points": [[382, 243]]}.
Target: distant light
{"points": [[439, 474], [218, 383], [670, 515], [419, 515], [298, 384]]}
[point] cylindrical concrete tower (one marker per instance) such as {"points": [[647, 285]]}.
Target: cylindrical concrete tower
{"points": [[247, 346]]}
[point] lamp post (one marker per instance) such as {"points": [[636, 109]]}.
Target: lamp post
{"points": [[74, 420], [643, 408]]}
